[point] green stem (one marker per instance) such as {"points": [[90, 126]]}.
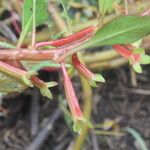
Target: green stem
{"points": [[87, 99]]}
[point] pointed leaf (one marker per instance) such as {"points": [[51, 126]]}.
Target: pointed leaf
{"points": [[41, 13], [27, 18], [121, 30]]}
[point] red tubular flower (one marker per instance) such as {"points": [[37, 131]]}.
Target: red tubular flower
{"points": [[136, 58], [123, 51], [70, 39], [71, 97], [77, 114], [85, 72]]}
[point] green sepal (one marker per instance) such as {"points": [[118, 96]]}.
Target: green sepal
{"points": [[27, 81], [27, 76], [78, 124], [139, 51], [145, 59], [137, 67], [93, 83], [98, 78], [51, 84], [31, 73], [46, 92]]}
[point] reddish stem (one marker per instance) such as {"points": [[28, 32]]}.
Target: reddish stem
{"points": [[55, 54], [25, 54]]}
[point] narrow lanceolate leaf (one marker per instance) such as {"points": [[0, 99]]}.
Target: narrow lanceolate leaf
{"points": [[27, 18], [121, 30], [41, 13]]}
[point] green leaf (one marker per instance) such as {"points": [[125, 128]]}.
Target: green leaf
{"points": [[137, 68], [41, 13], [27, 18], [6, 45], [106, 6], [36, 66], [121, 30], [145, 59]]}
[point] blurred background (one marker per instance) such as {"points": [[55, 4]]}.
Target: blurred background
{"points": [[118, 109]]}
